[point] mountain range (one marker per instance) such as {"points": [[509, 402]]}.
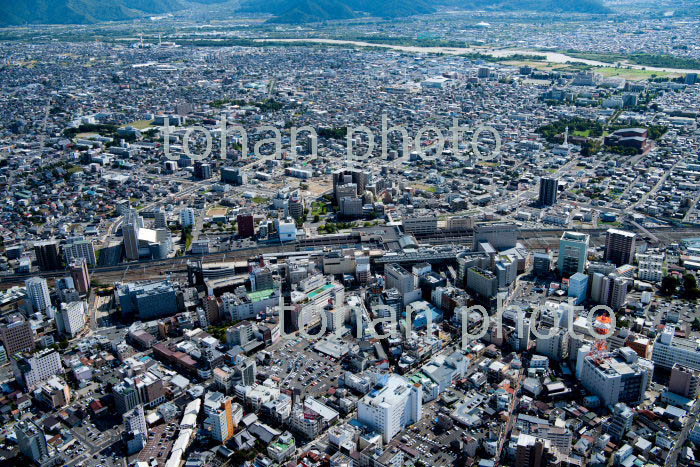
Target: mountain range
{"points": [[18, 12]]}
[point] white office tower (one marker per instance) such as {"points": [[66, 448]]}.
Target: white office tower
{"points": [[621, 376], [135, 429], [670, 349], [397, 404], [70, 319], [187, 217], [130, 231], [38, 293]]}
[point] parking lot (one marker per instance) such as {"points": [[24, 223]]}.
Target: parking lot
{"points": [[298, 365], [95, 446]]}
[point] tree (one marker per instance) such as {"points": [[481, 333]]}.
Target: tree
{"points": [[669, 285], [690, 287]]}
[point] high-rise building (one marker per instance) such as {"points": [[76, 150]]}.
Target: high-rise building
{"points": [[261, 279], [548, 191], [81, 275], [160, 219], [578, 287], [650, 266], [135, 420], [532, 451], [684, 381], [244, 372], [670, 350], [346, 176], [202, 170], [131, 226], [395, 405], [482, 282], [573, 252], [541, 264], [80, 249], [38, 293], [126, 396], [234, 176], [620, 422], [47, 255], [135, 430], [17, 335], [32, 441], [222, 415], [620, 377], [70, 319], [30, 370], [620, 247], [398, 278], [246, 225]]}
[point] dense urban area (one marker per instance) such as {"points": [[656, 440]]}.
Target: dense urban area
{"points": [[452, 239]]}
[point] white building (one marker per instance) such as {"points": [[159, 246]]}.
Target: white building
{"points": [[619, 377], [187, 217], [669, 350], [393, 407], [222, 416], [650, 266], [37, 368], [70, 319], [38, 293]]}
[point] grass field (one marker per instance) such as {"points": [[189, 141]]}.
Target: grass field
{"points": [[632, 74], [140, 124]]}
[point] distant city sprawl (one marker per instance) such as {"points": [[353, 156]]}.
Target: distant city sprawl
{"points": [[433, 136], [349, 233]]}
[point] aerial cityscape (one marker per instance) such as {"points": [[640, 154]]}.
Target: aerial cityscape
{"points": [[349, 233]]}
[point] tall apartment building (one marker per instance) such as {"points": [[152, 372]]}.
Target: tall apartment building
{"points": [[246, 225], [549, 188], [31, 370], [38, 293], [81, 275], [684, 381], [131, 226], [650, 266], [670, 350], [47, 255], [573, 253], [397, 404], [620, 247], [620, 377], [222, 415], [80, 249], [17, 335]]}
